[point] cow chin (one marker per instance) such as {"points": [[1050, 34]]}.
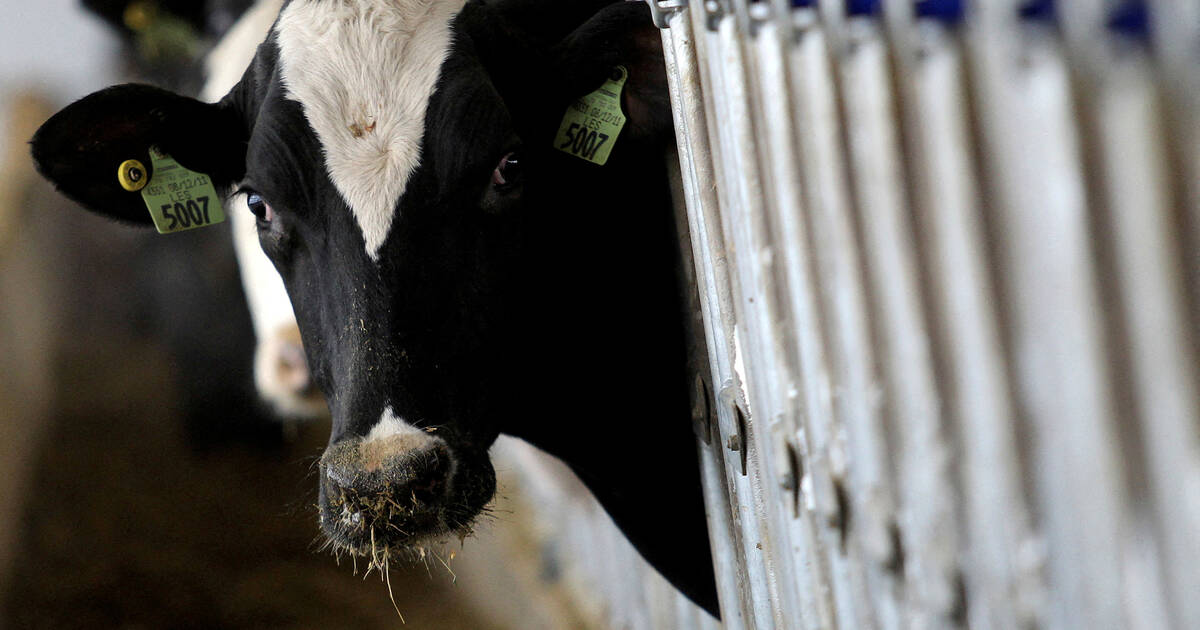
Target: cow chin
{"points": [[392, 498]]}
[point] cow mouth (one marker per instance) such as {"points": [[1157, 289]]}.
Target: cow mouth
{"points": [[402, 509]]}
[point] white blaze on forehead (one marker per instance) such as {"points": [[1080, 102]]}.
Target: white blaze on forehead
{"points": [[364, 71]]}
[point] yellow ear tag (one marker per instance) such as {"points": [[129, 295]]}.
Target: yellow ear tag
{"points": [[132, 175], [179, 199], [589, 128]]}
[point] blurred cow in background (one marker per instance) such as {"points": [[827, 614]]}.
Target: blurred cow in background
{"points": [[167, 39], [199, 309], [281, 372]]}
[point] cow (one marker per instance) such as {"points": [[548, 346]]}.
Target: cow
{"points": [[164, 39], [456, 268]]}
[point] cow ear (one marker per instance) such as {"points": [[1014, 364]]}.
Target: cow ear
{"points": [[621, 34], [81, 148]]}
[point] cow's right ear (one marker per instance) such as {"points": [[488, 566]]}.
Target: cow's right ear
{"points": [[81, 148], [621, 34]]}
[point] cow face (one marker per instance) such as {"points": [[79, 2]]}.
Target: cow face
{"points": [[398, 159]]}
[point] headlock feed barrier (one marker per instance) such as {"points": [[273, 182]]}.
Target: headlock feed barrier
{"points": [[948, 259], [947, 256]]}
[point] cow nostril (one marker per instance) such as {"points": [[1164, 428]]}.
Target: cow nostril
{"points": [[386, 484], [428, 487]]}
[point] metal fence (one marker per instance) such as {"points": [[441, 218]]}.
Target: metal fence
{"points": [[949, 263]]}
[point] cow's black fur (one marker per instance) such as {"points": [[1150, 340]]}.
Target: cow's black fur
{"points": [[547, 308]]}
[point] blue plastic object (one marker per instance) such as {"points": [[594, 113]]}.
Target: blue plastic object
{"points": [[1037, 10], [1130, 18], [942, 10], [862, 7]]}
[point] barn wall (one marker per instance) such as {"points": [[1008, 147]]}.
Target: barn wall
{"points": [[28, 318], [949, 268]]}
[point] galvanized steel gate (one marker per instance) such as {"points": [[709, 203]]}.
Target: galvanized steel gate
{"points": [[950, 274]]}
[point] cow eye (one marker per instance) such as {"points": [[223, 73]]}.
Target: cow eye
{"points": [[262, 211], [504, 190], [508, 171]]}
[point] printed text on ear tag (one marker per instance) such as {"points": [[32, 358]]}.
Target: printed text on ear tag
{"points": [[590, 127], [179, 199]]}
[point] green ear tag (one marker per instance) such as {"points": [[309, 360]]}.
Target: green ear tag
{"points": [[590, 127], [179, 199]]}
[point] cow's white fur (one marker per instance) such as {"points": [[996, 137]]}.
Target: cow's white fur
{"points": [[364, 71], [391, 425]]}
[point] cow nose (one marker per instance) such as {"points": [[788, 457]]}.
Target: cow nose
{"points": [[282, 376], [291, 368], [391, 486]]}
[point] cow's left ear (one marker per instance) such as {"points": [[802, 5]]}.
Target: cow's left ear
{"points": [[621, 34], [81, 148]]}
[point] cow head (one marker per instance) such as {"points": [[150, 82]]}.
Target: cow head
{"points": [[451, 271]]}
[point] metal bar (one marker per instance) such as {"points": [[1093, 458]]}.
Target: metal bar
{"points": [[923, 546], [712, 271], [1175, 33], [695, 168], [858, 499], [799, 336], [1056, 355], [997, 590], [736, 176], [1156, 352]]}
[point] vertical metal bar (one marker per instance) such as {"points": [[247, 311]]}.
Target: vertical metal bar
{"points": [[861, 488], [923, 545], [738, 172], [775, 329], [1156, 343], [809, 390], [709, 246], [998, 591], [1047, 279], [1175, 32], [696, 181], [825, 473]]}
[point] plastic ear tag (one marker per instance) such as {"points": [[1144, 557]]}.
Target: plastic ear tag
{"points": [[179, 199], [589, 128], [132, 175]]}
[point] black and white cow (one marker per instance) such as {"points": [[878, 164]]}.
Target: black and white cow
{"points": [[453, 273]]}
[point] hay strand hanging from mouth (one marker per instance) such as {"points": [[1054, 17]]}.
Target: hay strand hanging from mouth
{"points": [[368, 521], [388, 578]]}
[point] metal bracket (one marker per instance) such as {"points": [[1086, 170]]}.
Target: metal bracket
{"points": [[660, 9]]}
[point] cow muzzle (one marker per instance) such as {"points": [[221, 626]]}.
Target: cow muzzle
{"points": [[383, 493]]}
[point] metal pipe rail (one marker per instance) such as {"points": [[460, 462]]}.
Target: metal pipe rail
{"points": [[948, 259]]}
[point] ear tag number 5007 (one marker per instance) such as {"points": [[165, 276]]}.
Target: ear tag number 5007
{"points": [[179, 199], [590, 127]]}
